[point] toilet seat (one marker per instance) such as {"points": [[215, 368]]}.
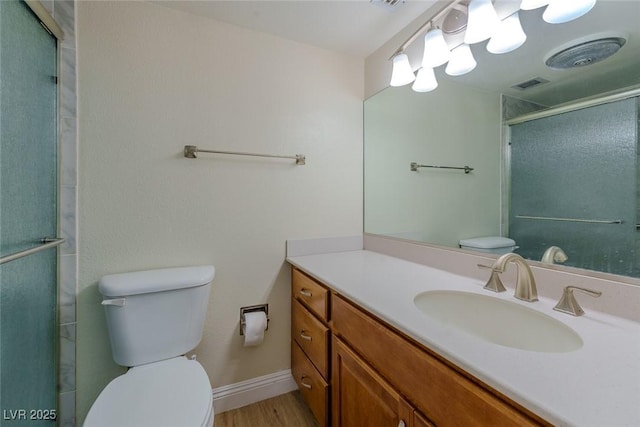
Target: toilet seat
{"points": [[173, 392]]}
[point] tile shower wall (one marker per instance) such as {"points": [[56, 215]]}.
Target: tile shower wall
{"points": [[63, 11]]}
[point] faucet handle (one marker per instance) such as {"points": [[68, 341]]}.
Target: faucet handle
{"points": [[494, 283], [568, 303]]}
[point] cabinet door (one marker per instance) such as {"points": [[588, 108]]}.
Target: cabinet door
{"points": [[361, 397]]}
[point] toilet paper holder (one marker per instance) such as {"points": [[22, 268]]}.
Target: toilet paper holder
{"points": [[250, 309]]}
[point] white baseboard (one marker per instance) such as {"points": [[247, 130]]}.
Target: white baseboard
{"points": [[244, 393]]}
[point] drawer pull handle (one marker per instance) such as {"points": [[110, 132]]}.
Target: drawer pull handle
{"points": [[303, 384], [306, 293], [305, 336]]}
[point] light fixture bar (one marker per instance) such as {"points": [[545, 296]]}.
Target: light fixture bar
{"points": [[429, 24]]}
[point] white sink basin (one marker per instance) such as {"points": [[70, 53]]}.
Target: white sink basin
{"points": [[497, 321]]}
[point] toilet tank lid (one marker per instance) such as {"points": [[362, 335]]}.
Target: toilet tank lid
{"points": [[491, 242], [165, 279]]}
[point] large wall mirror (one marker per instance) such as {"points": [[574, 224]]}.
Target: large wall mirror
{"points": [[553, 151]]}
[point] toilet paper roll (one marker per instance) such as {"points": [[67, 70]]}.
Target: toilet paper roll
{"points": [[255, 323]]}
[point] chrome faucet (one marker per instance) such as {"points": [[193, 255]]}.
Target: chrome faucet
{"points": [[526, 289], [554, 254]]}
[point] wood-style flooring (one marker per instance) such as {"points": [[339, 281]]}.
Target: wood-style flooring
{"points": [[287, 410]]}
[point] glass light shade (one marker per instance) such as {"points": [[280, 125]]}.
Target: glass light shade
{"points": [[509, 37], [426, 80], [402, 73], [533, 4], [482, 23], [561, 11], [436, 51], [461, 61]]}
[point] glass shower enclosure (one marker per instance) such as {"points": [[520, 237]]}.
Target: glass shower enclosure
{"points": [[28, 218]]}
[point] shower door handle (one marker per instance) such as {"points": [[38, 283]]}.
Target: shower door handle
{"points": [[46, 243]]}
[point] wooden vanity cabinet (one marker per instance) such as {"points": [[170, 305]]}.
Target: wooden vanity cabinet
{"points": [[356, 370]]}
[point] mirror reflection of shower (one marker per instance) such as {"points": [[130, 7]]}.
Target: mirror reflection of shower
{"points": [[574, 185]]}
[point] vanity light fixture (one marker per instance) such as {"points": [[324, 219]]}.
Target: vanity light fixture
{"points": [[561, 11], [500, 23], [426, 80], [482, 21], [461, 62], [436, 51], [509, 36], [402, 73]]}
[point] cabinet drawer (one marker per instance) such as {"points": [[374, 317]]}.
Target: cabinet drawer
{"points": [[442, 393], [310, 293], [312, 336], [313, 387]]}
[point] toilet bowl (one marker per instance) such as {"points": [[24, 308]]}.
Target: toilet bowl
{"points": [[171, 393], [154, 317]]}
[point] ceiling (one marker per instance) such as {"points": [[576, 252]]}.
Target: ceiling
{"points": [[354, 27], [360, 27]]}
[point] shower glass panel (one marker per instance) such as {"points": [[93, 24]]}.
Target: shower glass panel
{"points": [[28, 212], [580, 165]]}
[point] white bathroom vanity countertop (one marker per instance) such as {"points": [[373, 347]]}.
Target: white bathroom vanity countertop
{"points": [[596, 385]]}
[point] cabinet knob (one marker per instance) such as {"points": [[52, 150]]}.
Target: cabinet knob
{"points": [[401, 423], [306, 293]]}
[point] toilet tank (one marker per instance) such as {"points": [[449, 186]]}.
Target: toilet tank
{"points": [[490, 244], [155, 315]]}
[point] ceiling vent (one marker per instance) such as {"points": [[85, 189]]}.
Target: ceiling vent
{"points": [[388, 5], [530, 83], [586, 53]]}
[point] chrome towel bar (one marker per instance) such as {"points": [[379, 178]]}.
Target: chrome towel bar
{"points": [[46, 243], [415, 166], [593, 221], [190, 152]]}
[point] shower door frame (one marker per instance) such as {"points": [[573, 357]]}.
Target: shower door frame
{"points": [[60, 18]]}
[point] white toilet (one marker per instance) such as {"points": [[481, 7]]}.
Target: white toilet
{"points": [[154, 317]]}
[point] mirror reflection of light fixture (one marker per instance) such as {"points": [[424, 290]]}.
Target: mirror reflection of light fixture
{"points": [[426, 80], [436, 51], [482, 21], [509, 36], [478, 21], [533, 4], [561, 11], [461, 61], [402, 73]]}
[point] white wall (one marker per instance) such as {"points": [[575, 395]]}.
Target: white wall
{"points": [[150, 81], [453, 125]]}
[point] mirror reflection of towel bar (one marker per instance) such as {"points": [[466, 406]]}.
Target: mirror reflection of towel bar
{"points": [[415, 166], [593, 221]]}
